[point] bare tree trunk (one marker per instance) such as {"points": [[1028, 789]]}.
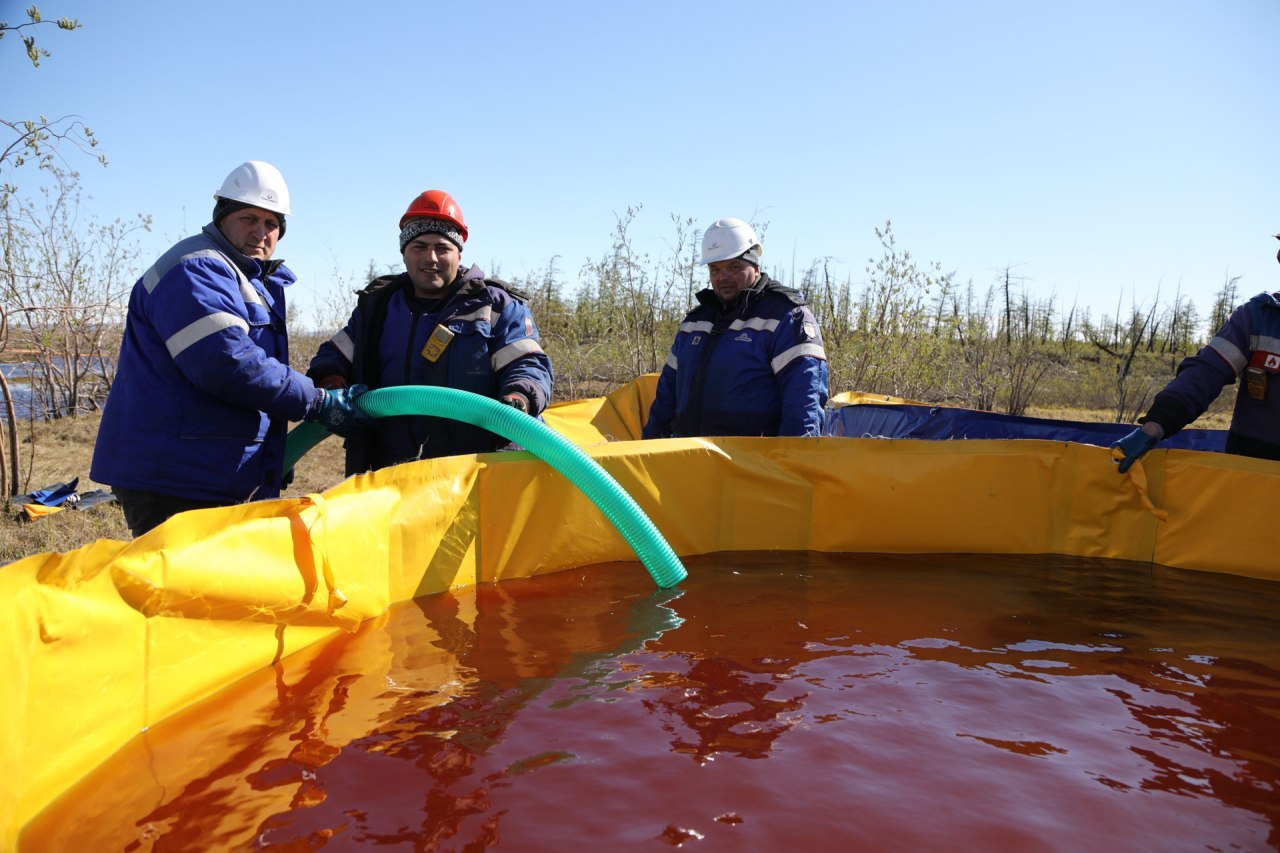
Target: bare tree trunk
{"points": [[9, 475], [5, 480], [1008, 311], [4, 467]]}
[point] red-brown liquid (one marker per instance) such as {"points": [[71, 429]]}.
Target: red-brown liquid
{"points": [[773, 701]]}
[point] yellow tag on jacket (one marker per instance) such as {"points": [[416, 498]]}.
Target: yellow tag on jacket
{"points": [[437, 343]]}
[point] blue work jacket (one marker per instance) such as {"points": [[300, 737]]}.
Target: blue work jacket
{"points": [[492, 350], [756, 367], [203, 393], [1245, 349]]}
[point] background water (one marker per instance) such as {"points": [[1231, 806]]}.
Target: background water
{"points": [[20, 387], [20, 376], [871, 702]]}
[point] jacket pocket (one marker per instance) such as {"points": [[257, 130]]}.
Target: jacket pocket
{"points": [[206, 417]]}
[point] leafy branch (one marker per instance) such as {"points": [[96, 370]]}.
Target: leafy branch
{"points": [[35, 53], [37, 140]]}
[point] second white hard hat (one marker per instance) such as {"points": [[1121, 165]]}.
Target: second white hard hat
{"points": [[728, 238], [257, 184]]}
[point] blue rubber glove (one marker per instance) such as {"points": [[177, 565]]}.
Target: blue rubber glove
{"points": [[1133, 447], [339, 413]]}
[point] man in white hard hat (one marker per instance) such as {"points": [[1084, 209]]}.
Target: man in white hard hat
{"points": [[199, 409], [748, 360]]}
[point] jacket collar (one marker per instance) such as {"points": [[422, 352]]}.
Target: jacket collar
{"points": [[251, 267], [764, 284]]}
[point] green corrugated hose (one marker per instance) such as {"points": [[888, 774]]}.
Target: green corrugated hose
{"points": [[535, 436]]}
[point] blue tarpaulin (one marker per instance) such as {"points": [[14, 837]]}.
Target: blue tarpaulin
{"points": [[895, 420]]}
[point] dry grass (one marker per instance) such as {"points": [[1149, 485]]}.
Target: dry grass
{"points": [[1209, 420]]}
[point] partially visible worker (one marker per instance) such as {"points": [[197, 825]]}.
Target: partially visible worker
{"points": [[748, 360], [1246, 348], [203, 394], [438, 323]]}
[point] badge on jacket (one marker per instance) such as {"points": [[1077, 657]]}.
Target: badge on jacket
{"points": [[437, 343], [1255, 375]]}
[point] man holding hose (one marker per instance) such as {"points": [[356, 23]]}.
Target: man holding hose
{"points": [[203, 394], [439, 323]]}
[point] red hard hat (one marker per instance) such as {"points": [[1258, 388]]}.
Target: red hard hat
{"points": [[436, 204]]}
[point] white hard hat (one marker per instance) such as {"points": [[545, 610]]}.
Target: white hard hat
{"points": [[727, 238], [257, 184]]}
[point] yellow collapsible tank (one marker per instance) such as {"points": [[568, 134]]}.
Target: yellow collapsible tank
{"points": [[101, 643]]}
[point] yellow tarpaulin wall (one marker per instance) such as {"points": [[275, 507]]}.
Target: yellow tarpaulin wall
{"points": [[103, 642]]}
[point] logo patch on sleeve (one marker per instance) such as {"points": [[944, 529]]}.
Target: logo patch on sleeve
{"points": [[1267, 361]]}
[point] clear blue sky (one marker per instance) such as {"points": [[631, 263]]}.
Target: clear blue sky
{"points": [[1098, 148]]}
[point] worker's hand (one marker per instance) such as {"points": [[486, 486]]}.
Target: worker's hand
{"points": [[332, 382], [339, 413], [515, 401], [1132, 447]]}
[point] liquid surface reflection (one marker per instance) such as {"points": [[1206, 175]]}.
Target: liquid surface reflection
{"points": [[888, 702]]}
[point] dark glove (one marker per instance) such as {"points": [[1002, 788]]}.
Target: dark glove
{"points": [[515, 401], [332, 382], [339, 413], [1131, 448]]}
